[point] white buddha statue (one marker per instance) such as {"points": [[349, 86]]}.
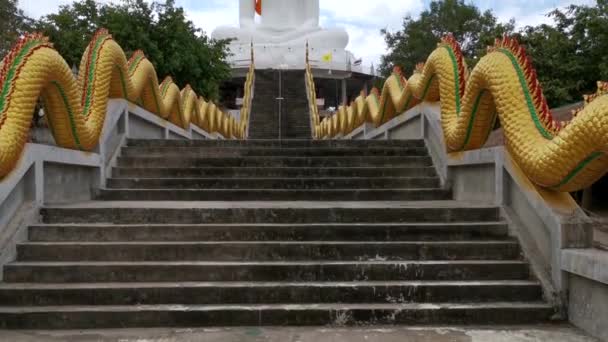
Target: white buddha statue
{"points": [[285, 25], [283, 22]]}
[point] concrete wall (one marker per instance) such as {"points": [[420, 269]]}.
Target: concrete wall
{"points": [[588, 307], [587, 272], [555, 233], [64, 183], [22, 192], [16, 212], [475, 183], [142, 129]]}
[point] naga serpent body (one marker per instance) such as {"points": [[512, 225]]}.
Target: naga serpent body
{"points": [[76, 108], [503, 85]]}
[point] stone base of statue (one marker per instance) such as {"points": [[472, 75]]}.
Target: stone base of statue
{"points": [[288, 50], [280, 56]]}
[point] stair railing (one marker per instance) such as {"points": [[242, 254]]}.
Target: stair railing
{"points": [[311, 95], [249, 91]]}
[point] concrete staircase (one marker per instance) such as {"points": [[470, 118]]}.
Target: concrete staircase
{"points": [[296, 116], [208, 233], [264, 119], [265, 110]]}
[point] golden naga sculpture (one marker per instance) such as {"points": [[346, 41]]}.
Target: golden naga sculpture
{"points": [[76, 109], [503, 85]]}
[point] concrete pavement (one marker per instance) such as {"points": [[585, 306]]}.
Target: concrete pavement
{"points": [[553, 333]]}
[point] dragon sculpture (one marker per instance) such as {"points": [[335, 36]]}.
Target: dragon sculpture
{"points": [[562, 156], [76, 108]]}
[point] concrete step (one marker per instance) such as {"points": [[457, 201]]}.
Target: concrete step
{"points": [[264, 135], [267, 251], [298, 134], [271, 212], [178, 161], [274, 143], [268, 122], [294, 271], [301, 125], [273, 194], [275, 183], [265, 126], [144, 316], [218, 293], [297, 172], [270, 232], [266, 151], [300, 120]]}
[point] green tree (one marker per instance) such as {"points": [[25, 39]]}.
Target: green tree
{"points": [[12, 24], [188, 54], [161, 30], [570, 56], [131, 24], [418, 37], [71, 28]]}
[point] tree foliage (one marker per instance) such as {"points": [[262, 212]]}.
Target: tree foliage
{"points": [[171, 42], [12, 24], [419, 37], [569, 55]]}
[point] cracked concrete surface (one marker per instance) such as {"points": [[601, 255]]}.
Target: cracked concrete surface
{"points": [[553, 333]]}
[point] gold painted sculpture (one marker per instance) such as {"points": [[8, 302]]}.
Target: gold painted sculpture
{"points": [[76, 109], [503, 85]]}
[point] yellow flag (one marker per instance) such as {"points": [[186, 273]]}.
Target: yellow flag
{"points": [[327, 58]]}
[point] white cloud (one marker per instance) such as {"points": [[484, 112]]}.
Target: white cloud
{"points": [[378, 13], [37, 8], [363, 19], [528, 13], [226, 15]]}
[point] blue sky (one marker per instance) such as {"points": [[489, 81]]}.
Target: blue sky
{"points": [[363, 19]]}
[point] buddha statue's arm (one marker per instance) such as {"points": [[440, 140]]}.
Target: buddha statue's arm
{"points": [[247, 13]]}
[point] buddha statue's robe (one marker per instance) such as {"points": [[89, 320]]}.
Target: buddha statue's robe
{"points": [[283, 22]]}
